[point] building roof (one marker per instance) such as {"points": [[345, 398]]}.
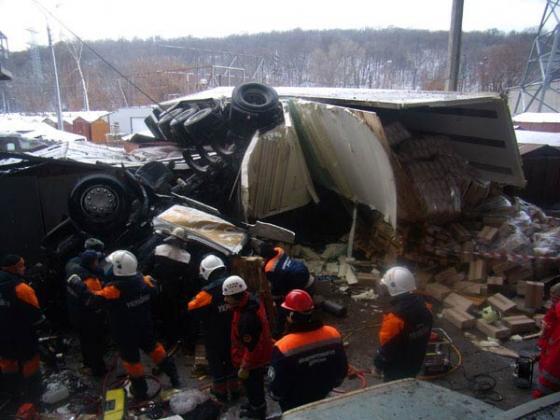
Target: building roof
{"points": [[68, 117], [537, 117], [537, 138], [386, 98]]}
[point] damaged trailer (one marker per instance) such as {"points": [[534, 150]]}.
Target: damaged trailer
{"points": [[257, 154], [411, 156]]}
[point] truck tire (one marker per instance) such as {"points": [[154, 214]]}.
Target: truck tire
{"points": [[151, 122], [99, 203], [202, 125], [177, 127], [165, 120], [254, 107]]}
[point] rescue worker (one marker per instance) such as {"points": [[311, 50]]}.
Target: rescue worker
{"points": [[127, 296], [309, 361], [251, 343], [284, 274], [405, 329], [20, 316], [87, 317], [90, 244], [215, 315], [549, 343]]}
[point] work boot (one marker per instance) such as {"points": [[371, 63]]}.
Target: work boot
{"points": [[253, 412], [168, 367], [139, 388]]}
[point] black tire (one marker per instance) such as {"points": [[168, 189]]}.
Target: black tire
{"points": [[165, 120], [202, 125], [152, 124], [198, 166], [254, 107], [177, 126], [99, 203]]}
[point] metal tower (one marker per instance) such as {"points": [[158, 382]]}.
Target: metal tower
{"points": [[543, 66]]}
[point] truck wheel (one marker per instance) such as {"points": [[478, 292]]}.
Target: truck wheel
{"points": [[99, 203]]}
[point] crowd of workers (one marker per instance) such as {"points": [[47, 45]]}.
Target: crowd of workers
{"points": [[304, 358]]}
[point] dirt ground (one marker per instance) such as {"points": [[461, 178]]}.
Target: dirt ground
{"points": [[359, 328]]}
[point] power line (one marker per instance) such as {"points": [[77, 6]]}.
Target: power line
{"points": [[94, 51]]}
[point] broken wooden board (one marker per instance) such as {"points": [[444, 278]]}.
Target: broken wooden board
{"points": [[437, 291], [458, 318], [487, 234], [459, 302], [501, 303], [470, 288], [478, 271], [534, 294], [519, 324], [497, 330]]}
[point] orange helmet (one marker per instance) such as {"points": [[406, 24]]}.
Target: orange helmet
{"points": [[298, 301]]}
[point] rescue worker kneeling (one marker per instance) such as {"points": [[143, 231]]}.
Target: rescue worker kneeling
{"points": [[309, 361], [405, 329], [251, 343], [127, 296], [85, 316], [210, 306], [20, 316]]}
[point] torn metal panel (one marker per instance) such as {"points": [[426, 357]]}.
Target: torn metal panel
{"points": [[482, 133], [274, 175], [202, 227], [345, 155]]}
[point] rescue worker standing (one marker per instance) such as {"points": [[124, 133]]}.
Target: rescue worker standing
{"points": [[87, 317], [20, 315], [309, 361], [127, 296], [549, 343], [210, 306], [405, 329], [251, 343], [284, 274]]}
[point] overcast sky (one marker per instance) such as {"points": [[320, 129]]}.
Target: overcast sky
{"points": [[100, 19]]}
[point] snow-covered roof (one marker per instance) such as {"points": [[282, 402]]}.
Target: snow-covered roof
{"points": [[34, 128], [537, 117], [537, 137], [68, 117], [388, 98]]}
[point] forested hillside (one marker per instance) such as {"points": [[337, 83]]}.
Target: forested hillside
{"points": [[388, 58]]}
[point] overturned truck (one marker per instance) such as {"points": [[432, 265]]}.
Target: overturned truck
{"points": [[257, 154]]}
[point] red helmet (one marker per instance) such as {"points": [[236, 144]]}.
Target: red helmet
{"points": [[298, 301]]}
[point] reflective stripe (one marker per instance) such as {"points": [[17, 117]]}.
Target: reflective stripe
{"points": [[312, 346], [158, 354], [298, 342], [271, 264], [135, 370]]}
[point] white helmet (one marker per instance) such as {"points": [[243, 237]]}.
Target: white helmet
{"points": [[124, 263], [399, 280], [209, 264], [233, 285]]}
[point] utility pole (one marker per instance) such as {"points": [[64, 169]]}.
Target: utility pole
{"points": [[57, 84], [454, 45]]}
